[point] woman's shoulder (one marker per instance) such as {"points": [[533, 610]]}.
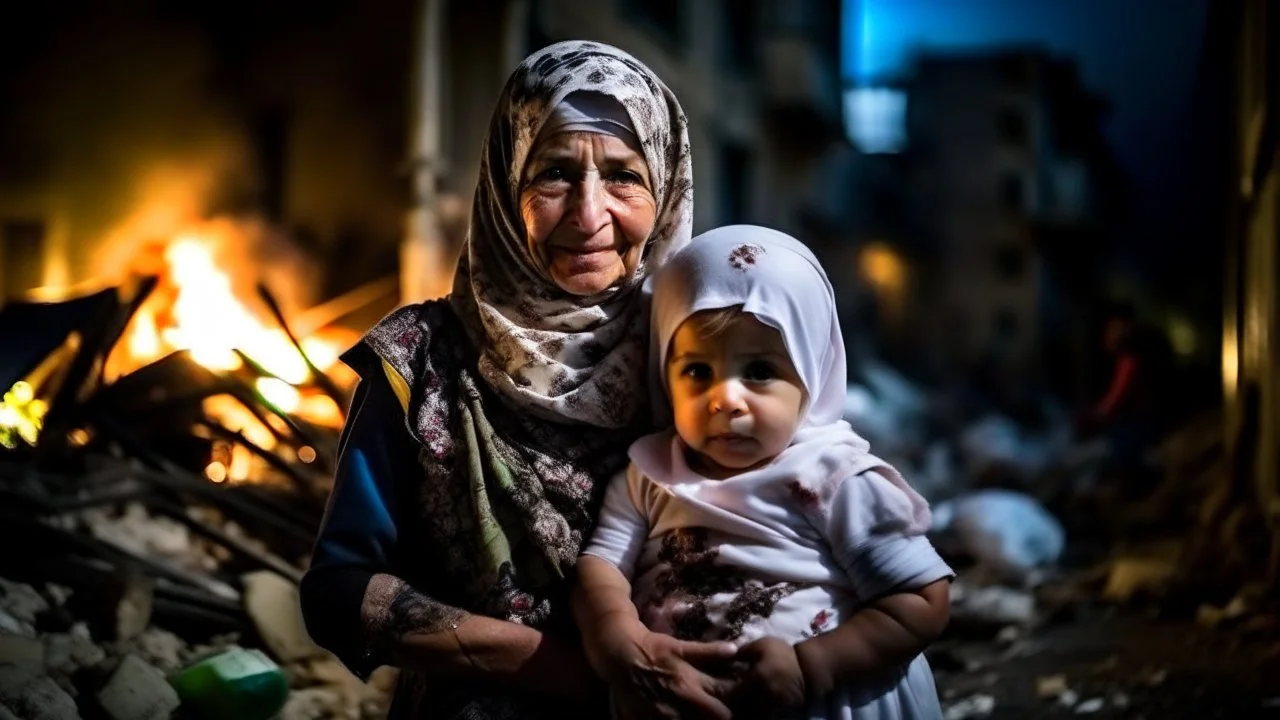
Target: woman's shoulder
{"points": [[409, 340]]}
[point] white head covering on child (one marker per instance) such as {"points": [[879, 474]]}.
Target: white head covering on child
{"points": [[779, 281]]}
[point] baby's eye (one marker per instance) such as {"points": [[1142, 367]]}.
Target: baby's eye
{"points": [[759, 371], [696, 371]]}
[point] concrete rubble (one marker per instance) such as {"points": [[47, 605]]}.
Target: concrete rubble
{"points": [[137, 691], [69, 656]]}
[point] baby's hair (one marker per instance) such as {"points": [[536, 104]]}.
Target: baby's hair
{"points": [[713, 322]]}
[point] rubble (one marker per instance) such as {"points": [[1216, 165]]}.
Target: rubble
{"points": [[1008, 535], [155, 532], [66, 654], [1090, 706], [159, 648], [975, 706], [316, 703], [273, 604], [20, 650], [131, 596], [996, 444], [137, 691], [137, 530], [1051, 687], [28, 694], [127, 678], [1133, 574], [19, 605], [992, 605]]}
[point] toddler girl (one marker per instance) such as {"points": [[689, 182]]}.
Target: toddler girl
{"points": [[761, 519]]}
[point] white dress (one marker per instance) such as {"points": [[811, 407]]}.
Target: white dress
{"points": [[758, 555]]}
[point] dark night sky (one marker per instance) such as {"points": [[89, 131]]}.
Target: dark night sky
{"points": [[1141, 54]]}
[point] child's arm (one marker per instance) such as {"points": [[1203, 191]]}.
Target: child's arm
{"points": [[875, 525], [646, 671], [606, 616], [887, 633], [602, 603], [778, 676]]}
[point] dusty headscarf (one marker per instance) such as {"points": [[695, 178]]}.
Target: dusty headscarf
{"points": [[559, 356]]}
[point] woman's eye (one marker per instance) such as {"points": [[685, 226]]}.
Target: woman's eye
{"points": [[552, 174], [626, 177], [760, 371]]}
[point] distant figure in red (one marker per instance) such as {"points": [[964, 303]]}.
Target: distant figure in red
{"points": [[1131, 413]]}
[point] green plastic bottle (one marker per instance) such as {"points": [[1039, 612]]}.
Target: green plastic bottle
{"points": [[236, 684]]}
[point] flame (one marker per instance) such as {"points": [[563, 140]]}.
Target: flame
{"points": [[211, 324], [195, 309], [203, 266], [21, 415]]}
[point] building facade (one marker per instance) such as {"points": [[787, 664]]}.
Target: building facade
{"points": [[1248, 36], [1003, 179]]}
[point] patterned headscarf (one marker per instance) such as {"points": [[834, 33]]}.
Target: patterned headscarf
{"points": [[559, 356]]}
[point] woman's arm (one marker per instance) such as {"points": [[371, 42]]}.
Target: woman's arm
{"points": [[886, 634], [356, 607], [475, 646]]}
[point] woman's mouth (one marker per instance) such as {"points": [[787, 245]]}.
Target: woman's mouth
{"points": [[585, 259]]}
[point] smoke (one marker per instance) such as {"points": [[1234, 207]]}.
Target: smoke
{"points": [[141, 148]]}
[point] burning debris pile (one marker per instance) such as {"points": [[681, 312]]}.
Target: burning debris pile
{"points": [[164, 462]]}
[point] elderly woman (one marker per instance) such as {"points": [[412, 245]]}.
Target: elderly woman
{"points": [[486, 424]]}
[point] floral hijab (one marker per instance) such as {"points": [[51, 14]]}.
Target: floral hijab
{"points": [[558, 356]]}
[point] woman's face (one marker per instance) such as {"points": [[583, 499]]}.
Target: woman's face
{"points": [[588, 208]]}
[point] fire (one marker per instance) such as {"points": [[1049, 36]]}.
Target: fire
{"points": [[195, 309], [21, 415], [211, 324]]}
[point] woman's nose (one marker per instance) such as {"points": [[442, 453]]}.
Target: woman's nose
{"points": [[588, 209]]}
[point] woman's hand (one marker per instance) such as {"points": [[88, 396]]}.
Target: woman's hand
{"points": [[651, 675]]}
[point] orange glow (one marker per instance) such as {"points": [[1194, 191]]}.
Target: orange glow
{"points": [[882, 268], [216, 472], [194, 308]]}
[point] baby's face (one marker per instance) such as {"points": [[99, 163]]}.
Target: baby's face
{"points": [[737, 397]]}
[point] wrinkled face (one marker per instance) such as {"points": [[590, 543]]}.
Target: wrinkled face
{"points": [[588, 209], [735, 393]]}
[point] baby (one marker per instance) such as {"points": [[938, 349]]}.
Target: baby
{"points": [[761, 519]]}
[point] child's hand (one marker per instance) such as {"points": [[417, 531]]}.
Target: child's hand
{"points": [[771, 681]]}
